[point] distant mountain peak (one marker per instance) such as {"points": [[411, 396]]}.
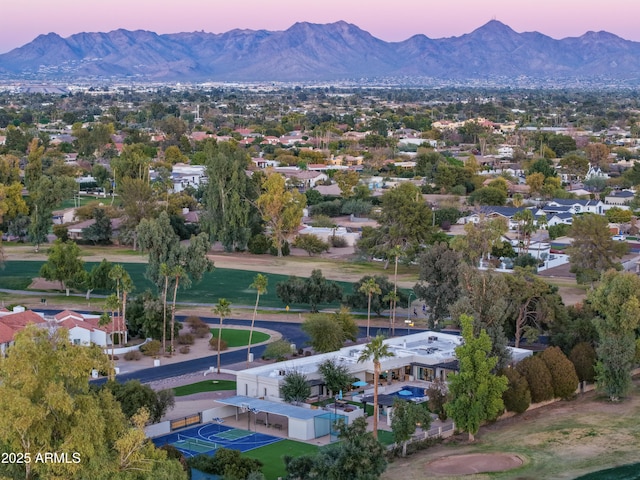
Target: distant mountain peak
{"points": [[317, 52]]}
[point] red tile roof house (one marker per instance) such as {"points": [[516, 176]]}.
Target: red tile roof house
{"points": [[13, 322], [85, 330]]}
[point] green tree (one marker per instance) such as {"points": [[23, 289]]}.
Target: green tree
{"points": [[593, 251], [369, 288], [63, 264], [313, 290], [358, 456], [222, 310], [583, 356], [46, 194], [617, 303], [295, 387], [328, 332], [336, 375], [439, 277], [48, 406], [488, 196], [97, 278], [134, 396], [483, 297], [139, 203], [517, 396], [404, 219], [278, 350], [280, 208], [476, 393], [563, 373], [228, 196], [360, 299], [480, 238], [259, 284], [312, 244], [538, 378], [618, 215], [346, 180], [406, 418], [376, 350], [100, 231]]}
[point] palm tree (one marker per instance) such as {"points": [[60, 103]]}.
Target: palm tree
{"points": [[112, 304], [222, 309], [375, 350], [116, 274], [392, 298], [260, 285], [369, 287], [177, 273], [165, 271], [395, 252], [127, 286]]}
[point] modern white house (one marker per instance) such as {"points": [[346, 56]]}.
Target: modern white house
{"points": [[418, 359]]}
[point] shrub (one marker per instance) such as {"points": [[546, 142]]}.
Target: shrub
{"points": [[184, 349], [259, 244], [437, 394], [133, 355], [213, 344], [151, 349], [322, 221], [202, 331], [583, 357], [193, 322], [538, 377], [563, 373], [278, 350], [312, 244], [338, 242], [186, 339], [286, 250], [517, 397]]}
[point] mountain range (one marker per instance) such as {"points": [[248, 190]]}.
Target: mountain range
{"points": [[319, 52]]}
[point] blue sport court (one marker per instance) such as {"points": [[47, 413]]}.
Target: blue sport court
{"points": [[206, 439]]}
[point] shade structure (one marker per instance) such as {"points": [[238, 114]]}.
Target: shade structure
{"points": [[405, 393], [360, 383]]}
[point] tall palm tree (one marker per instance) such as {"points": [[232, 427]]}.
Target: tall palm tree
{"points": [[375, 350], [116, 274], [127, 286], [112, 304], [369, 288], [222, 310], [177, 272], [260, 283], [392, 298], [165, 271], [395, 252]]}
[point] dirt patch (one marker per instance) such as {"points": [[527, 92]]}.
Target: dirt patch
{"points": [[40, 283], [473, 463]]}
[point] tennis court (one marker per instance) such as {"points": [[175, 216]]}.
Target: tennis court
{"points": [[208, 438]]}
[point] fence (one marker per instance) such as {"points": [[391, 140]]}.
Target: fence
{"points": [[443, 431], [186, 421]]}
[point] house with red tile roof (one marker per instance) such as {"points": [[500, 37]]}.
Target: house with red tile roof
{"points": [[86, 329], [13, 322]]}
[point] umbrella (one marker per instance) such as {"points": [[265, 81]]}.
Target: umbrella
{"points": [[360, 383], [405, 393]]}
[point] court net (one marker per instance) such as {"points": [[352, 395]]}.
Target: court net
{"points": [[195, 444]]}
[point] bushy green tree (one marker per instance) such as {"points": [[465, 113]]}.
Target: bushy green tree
{"points": [[312, 244], [63, 264], [295, 387], [476, 392], [563, 373], [277, 350], [313, 290], [538, 377], [133, 396], [406, 418], [517, 396], [583, 356], [336, 375]]}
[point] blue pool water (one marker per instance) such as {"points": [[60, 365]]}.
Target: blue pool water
{"points": [[416, 392]]}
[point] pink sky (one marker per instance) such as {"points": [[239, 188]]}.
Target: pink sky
{"points": [[24, 20]]}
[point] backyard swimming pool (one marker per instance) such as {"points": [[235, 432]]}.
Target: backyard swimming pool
{"points": [[416, 392]]}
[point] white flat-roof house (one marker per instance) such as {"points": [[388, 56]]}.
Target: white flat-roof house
{"points": [[420, 356]]}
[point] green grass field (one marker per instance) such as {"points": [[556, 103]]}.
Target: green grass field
{"points": [[221, 283], [272, 455], [206, 386], [240, 338]]}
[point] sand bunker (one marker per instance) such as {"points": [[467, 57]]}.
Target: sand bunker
{"points": [[473, 463]]}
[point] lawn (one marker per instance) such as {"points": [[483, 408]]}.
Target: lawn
{"points": [[272, 455], [240, 338], [221, 283], [385, 437], [206, 386]]}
